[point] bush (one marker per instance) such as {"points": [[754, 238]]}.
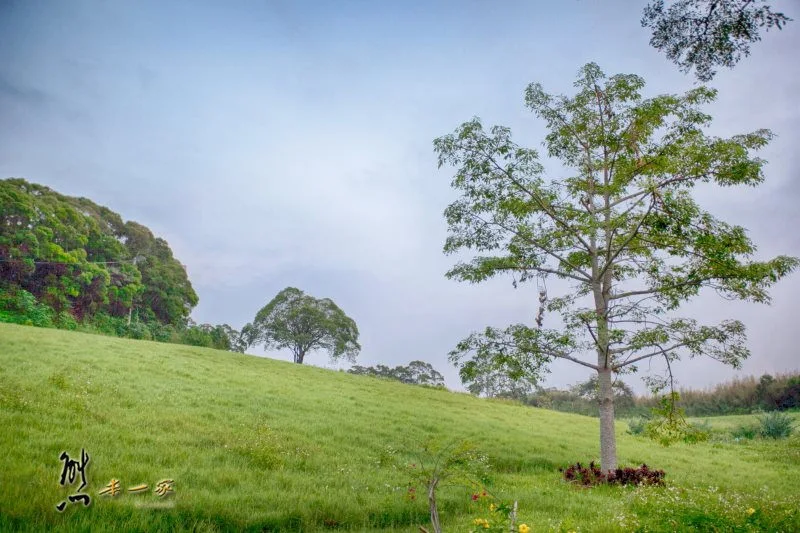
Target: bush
{"points": [[164, 333], [637, 426], [20, 307], [745, 431], [592, 475], [196, 336], [776, 425], [107, 324], [65, 320], [138, 330]]}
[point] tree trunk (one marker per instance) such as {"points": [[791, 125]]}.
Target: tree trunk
{"points": [[299, 356], [608, 439], [437, 528]]}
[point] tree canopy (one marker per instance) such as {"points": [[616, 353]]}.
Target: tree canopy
{"points": [[416, 373], [77, 257], [302, 323], [621, 227], [705, 34]]}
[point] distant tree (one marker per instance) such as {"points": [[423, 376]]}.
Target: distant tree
{"points": [[705, 34], [621, 226], [303, 324], [242, 340], [168, 296], [497, 377], [496, 384], [422, 373], [590, 390], [416, 373], [221, 337], [378, 371]]}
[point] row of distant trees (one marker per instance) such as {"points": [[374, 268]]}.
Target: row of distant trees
{"points": [[738, 396], [415, 373], [70, 263]]}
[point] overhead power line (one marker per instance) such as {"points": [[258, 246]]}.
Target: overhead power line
{"points": [[65, 263]]}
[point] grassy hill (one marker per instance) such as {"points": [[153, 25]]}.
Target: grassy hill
{"points": [[262, 445]]}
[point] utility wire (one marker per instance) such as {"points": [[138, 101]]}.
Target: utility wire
{"points": [[123, 261]]}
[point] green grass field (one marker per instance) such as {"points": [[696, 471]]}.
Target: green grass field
{"points": [[255, 444]]}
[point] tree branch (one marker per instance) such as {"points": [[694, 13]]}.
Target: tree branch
{"points": [[575, 360], [538, 200], [539, 246], [646, 356], [628, 239]]}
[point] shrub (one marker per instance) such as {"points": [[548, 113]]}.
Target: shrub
{"points": [[21, 307], [592, 475], [163, 333], [745, 431], [108, 325], [65, 320], [637, 426], [669, 425], [776, 425], [138, 330]]}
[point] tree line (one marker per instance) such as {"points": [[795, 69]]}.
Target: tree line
{"points": [[71, 263], [739, 396]]}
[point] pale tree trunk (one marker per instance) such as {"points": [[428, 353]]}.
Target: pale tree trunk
{"points": [[608, 439], [437, 528], [602, 280]]}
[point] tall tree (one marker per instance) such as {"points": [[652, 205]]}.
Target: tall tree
{"points": [[621, 227], [705, 34], [303, 323]]}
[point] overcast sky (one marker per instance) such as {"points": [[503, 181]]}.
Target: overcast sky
{"points": [[283, 143]]}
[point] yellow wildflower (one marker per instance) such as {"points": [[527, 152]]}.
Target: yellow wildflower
{"points": [[523, 528], [750, 511], [492, 507]]}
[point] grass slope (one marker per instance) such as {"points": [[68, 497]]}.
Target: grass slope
{"points": [[262, 445]]}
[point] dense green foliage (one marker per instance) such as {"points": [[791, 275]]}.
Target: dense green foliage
{"points": [[738, 396], [69, 263], [80, 258], [775, 425], [705, 34], [416, 373], [255, 444], [621, 226], [302, 323]]}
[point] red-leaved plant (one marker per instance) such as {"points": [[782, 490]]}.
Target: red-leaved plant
{"points": [[593, 475]]}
